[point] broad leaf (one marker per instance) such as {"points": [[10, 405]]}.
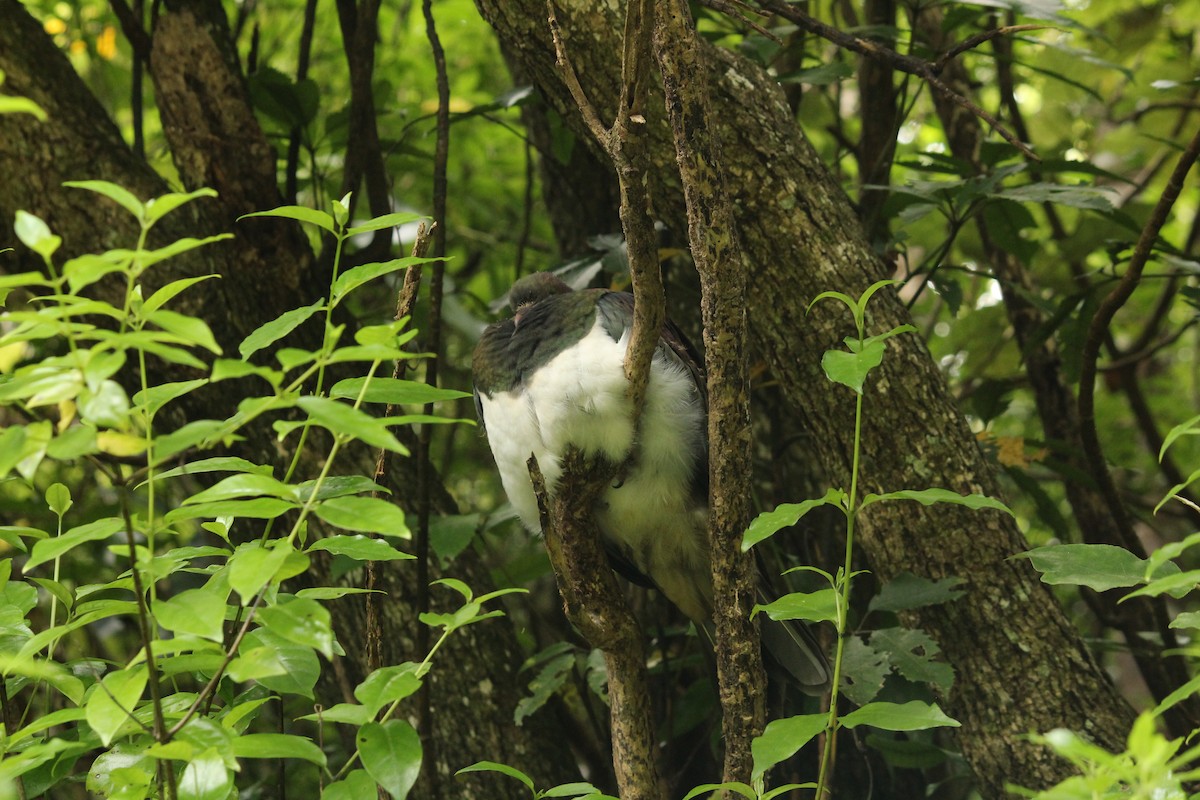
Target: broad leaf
{"points": [[911, 716], [391, 753], [769, 523], [782, 738]]}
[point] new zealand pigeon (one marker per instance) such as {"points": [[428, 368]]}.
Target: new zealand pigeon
{"points": [[553, 376]]}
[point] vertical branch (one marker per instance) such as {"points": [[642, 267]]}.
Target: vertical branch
{"points": [[295, 135], [1098, 329], [719, 260], [589, 591], [593, 602]]}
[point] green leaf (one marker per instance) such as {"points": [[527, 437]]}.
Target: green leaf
{"points": [[930, 496], [300, 621], [911, 716], [851, 369], [159, 207], [216, 464], [864, 670], [111, 702], [394, 391], [1176, 585], [259, 508], [391, 753], [253, 566], [155, 397], [277, 745], [906, 591], [242, 485], [58, 499], [769, 523], [192, 330], [366, 514], [355, 786], [105, 406], [276, 663], [1098, 566], [818, 606], [1177, 488], [342, 419], [387, 685], [911, 652], [352, 278], [119, 195], [168, 292], [35, 234], [298, 213], [390, 221], [1189, 428], [781, 739], [277, 328], [21, 105], [50, 549], [205, 778], [503, 769], [360, 548], [200, 612]]}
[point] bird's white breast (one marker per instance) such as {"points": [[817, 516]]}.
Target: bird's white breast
{"points": [[579, 398]]}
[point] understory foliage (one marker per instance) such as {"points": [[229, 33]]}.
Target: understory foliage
{"points": [[181, 559], [161, 634]]}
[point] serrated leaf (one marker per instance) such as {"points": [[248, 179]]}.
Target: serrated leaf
{"points": [[781, 740], [276, 329], [911, 716], [911, 652], [1097, 566], [863, 670], [907, 591], [391, 753]]}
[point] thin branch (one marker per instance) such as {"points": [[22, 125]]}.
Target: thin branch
{"points": [[571, 80], [914, 66], [1098, 329], [741, 11], [596, 606], [971, 42]]}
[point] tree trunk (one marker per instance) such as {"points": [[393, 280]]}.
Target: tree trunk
{"points": [[1020, 665], [264, 272]]}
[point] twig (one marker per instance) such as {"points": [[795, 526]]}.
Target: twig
{"points": [[1098, 329], [914, 66], [741, 11], [971, 42]]}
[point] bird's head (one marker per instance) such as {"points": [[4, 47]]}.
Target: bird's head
{"points": [[531, 290]]}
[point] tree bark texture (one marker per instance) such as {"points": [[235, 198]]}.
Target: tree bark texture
{"points": [[264, 271], [1020, 665], [717, 252]]}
